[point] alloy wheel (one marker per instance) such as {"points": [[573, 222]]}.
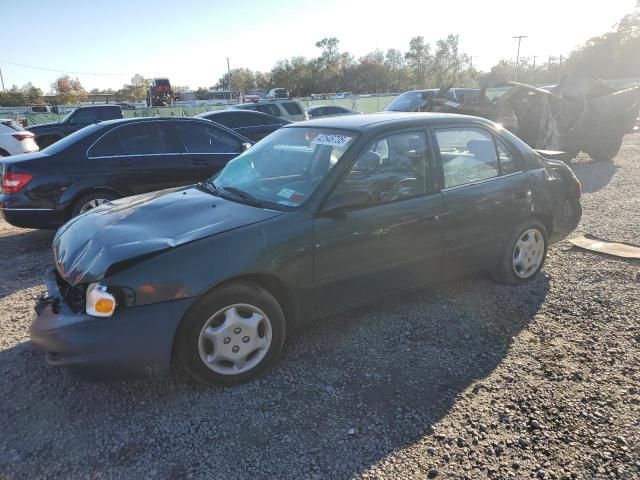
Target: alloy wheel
{"points": [[96, 202]]}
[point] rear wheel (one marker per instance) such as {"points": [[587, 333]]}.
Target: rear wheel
{"points": [[234, 334], [90, 201], [524, 254]]}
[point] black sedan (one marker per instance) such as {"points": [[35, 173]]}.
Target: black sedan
{"points": [[329, 110], [319, 216], [253, 125], [110, 160]]}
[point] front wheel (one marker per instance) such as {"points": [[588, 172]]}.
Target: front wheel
{"points": [[232, 335], [524, 254]]}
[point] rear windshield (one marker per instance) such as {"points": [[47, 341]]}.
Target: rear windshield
{"points": [[292, 108], [13, 125], [60, 145], [281, 90], [162, 82]]}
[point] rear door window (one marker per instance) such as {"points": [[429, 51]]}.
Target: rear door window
{"points": [[200, 138], [108, 113], [146, 139], [85, 116], [468, 155], [292, 108]]}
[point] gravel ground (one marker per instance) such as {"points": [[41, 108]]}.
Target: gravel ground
{"points": [[468, 380]]}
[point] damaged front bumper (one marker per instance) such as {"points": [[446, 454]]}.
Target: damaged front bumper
{"points": [[135, 341]]}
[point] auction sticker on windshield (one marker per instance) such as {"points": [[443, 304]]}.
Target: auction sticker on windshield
{"points": [[331, 139]]}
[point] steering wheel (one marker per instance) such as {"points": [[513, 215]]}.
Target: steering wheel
{"points": [[394, 191]]}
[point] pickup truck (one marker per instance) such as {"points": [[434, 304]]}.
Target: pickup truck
{"points": [[49, 133]]}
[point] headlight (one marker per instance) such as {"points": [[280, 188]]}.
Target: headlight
{"points": [[100, 303]]}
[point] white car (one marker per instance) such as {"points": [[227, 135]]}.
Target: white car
{"points": [[14, 139]]}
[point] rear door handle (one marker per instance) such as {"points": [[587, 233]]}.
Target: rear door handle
{"points": [[521, 195], [123, 163], [199, 161]]}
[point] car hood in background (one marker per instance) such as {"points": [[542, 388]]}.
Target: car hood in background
{"points": [[42, 126], [86, 246]]}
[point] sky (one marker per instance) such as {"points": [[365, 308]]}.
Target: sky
{"points": [[104, 43]]}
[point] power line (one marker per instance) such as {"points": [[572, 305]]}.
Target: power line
{"points": [[61, 71]]}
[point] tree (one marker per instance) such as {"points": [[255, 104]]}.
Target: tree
{"points": [[612, 55], [25, 95], [418, 61], [202, 93], [447, 62], [68, 90], [241, 80], [32, 95]]}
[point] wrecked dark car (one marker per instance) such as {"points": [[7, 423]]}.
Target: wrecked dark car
{"points": [[317, 217], [578, 114], [110, 160]]}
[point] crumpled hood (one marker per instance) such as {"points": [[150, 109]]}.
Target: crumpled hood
{"points": [[86, 246]]}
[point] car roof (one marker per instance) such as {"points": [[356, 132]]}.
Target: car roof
{"points": [[374, 120], [112, 105], [324, 106], [124, 121], [241, 112], [232, 112]]}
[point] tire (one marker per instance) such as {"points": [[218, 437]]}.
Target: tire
{"points": [[82, 205], [533, 236], [606, 141], [211, 345]]}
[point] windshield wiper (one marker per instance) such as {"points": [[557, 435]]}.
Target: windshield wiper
{"points": [[247, 197], [210, 187]]}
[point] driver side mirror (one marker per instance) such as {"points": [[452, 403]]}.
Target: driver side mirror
{"points": [[245, 146], [341, 202]]}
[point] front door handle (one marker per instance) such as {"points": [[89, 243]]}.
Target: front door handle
{"points": [[521, 195]]}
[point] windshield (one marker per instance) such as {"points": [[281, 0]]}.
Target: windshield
{"points": [[410, 101], [68, 115], [284, 169]]}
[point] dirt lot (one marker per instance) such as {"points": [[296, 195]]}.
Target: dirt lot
{"points": [[468, 380]]}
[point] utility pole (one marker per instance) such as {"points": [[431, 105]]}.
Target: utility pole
{"points": [[471, 57], [515, 72], [229, 78], [560, 69], [2, 80], [534, 69]]}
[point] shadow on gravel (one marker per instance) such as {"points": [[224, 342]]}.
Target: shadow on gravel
{"points": [[24, 257], [348, 391], [594, 175]]}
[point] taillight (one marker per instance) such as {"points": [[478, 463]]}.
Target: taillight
{"points": [[22, 136], [13, 182]]}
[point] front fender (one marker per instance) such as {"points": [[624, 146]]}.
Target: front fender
{"points": [[281, 248]]}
